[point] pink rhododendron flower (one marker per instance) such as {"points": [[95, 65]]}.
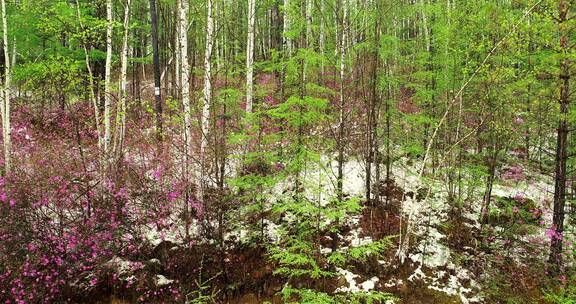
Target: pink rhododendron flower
{"points": [[552, 234]]}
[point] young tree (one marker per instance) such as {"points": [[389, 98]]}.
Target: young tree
{"points": [[91, 91], [250, 56], [108, 77], [156, 62], [123, 85], [207, 97], [6, 128], [341, 106], [185, 76], [565, 72], [287, 41]]}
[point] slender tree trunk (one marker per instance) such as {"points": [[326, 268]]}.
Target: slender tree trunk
{"points": [[286, 41], [555, 259], [14, 53], [205, 118], [309, 40], [372, 123], [250, 56], [184, 71], [156, 60], [91, 92], [123, 86], [185, 75], [177, 48], [425, 24], [322, 37], [6, 128], [341, 123], [493, 161], [108, 77]]}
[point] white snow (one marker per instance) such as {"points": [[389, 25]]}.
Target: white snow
{"points": [[393, 282], [370, 284], [353, 285], [162, 280], [350, 279]]}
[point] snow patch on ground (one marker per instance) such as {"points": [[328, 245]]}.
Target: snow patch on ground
{"points": [[156, 236], [353, 286], [393, 282], [162, 280], [429, 253]]}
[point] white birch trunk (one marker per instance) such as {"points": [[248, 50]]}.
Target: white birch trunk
{"points": [[207, 92], [250, 56], [107, 75], [425, 24], [178, 45], [185, 79], [6, 129], [121, 111], [286, 27]]}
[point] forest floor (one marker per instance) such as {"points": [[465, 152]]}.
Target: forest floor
{"points": [[449, 258], [440, 251]]}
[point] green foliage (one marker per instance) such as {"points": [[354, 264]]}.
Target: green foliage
{"points": [[309, 296], [54, 79], [511, 211], [204, 293], [300, 112], [565, 294]]}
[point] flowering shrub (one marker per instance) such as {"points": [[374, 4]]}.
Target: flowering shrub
{"points": [[513, 174], [61, 220]]}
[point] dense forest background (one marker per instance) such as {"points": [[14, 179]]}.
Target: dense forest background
{"points": [[288, 151]]}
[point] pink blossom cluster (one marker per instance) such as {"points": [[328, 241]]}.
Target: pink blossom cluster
{"points": [[64, 215], [513, 174]]}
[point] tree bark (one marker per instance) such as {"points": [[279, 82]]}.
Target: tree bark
{"points": [[6, 128], [285, 39], [250, 56], [492, 164], [123, 85], [372, 122], [341, 123], [555, 259], [207, 92], [156, 60], [107, 77]]}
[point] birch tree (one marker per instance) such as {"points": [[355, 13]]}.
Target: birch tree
{"points": [[250, 56], [286, 27], [185, 78], [341, 122], [156, 62], [121, 111], [6, 128], [108, 76], [207, 97]]}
